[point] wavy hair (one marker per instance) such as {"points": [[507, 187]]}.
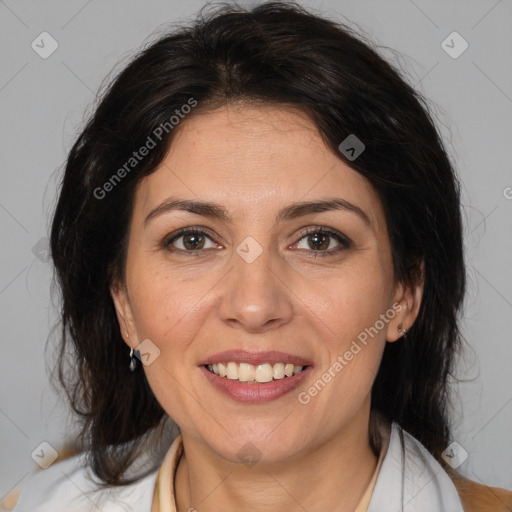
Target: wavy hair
{"points": [[274, 53]]}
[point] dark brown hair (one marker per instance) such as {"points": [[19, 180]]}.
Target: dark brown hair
{"points": [[281, 54]]}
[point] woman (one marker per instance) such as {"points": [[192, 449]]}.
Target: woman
{"points": [[258, 235]]}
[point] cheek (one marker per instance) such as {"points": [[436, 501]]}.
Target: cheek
{"points": [[166, 311], [166, 307], [346, 312], [348, 301]]}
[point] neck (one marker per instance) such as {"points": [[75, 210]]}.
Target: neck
{"points": [[333, 476]]}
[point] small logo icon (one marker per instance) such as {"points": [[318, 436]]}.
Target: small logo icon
{"points": [[44, 45], [454, 45], [249, 454], [249, 249], [44, 455], [42, 250], [454, 455], [147, 352], [351, 147]]}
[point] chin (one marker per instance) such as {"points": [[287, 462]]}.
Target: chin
{"points": [[258, 446]]}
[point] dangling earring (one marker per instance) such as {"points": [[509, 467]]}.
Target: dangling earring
{"points": [[401, 329], [133, 360]]}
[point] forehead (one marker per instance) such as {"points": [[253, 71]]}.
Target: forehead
{"points": [[251, 160]]}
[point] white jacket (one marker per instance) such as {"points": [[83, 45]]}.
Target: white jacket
{"points": [[412, 481]]}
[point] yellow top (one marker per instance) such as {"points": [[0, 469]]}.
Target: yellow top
{"points": [[163, 493], [474, 497], [164, 499]]}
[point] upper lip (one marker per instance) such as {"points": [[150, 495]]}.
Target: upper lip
{"points": [[255, 358]]}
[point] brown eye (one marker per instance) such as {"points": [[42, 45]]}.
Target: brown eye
{"points": [[318, 241], [189, 240], [322, 241], [193, 241]]}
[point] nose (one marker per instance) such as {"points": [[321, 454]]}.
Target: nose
{"points": [[256, 297]]}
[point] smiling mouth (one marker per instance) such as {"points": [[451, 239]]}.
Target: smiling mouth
{"points": [[252, 374]]}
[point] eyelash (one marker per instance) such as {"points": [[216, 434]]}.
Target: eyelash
{"points": [[345, 242]]}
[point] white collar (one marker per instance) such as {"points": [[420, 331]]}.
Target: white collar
{"points": [[415, 482], [412, 480]]}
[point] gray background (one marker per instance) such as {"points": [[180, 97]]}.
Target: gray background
{"points": [[42, 104]]}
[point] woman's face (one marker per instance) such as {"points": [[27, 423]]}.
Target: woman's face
{"points": [[264, 281]]}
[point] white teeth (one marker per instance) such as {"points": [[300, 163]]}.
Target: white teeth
{"points": [[278, 371], [245, 372], [232, 371], [263, 373]]}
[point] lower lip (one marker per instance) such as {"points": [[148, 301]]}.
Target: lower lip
{"points": [[258, 392]]}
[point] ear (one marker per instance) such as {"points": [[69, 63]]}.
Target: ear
{"points": [[406, 304], [124, 314]]}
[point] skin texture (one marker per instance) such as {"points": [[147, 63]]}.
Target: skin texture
{"points": [[255, 160]]}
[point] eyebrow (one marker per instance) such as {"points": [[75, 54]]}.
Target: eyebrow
{"points": [[290, 212]]}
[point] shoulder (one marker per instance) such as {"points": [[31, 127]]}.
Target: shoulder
{"points": [[61, 481], [478, 497], [475, 497], [70, 486]]}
